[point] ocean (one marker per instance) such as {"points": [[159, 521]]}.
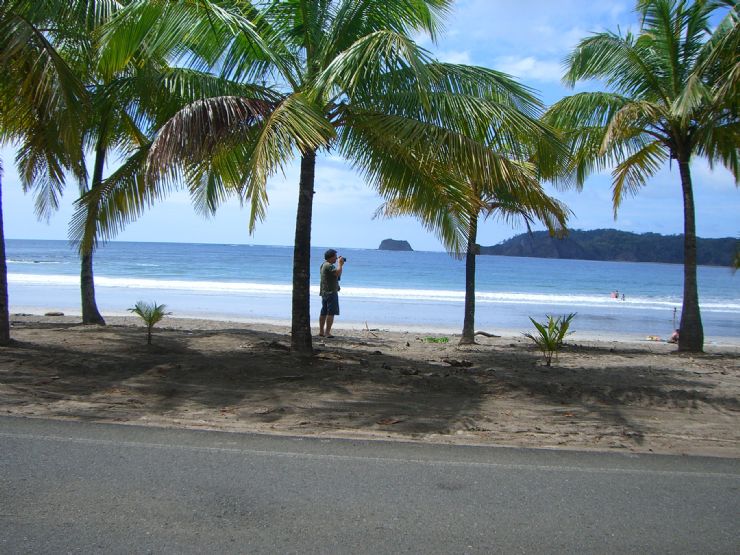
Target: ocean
{"points": [[421, 291]]}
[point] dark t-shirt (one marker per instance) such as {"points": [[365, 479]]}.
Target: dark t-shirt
{"points": [[329, 282]]}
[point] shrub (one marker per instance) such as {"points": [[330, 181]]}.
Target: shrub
{"points": [[549, 336]]}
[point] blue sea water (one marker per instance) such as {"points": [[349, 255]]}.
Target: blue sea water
{"points": [[408, 290]]}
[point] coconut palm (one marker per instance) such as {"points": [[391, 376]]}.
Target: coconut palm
{"points": [[41, 98], [519, 196], [4, 312], [349, 79], [128, 104], [528, 205], [673, 94]]}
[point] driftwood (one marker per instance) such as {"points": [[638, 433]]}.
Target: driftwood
{"points": [[486, 334]]}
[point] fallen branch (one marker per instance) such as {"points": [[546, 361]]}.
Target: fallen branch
{"points": [[486, 334]]}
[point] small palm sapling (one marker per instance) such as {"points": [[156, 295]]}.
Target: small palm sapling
{"points": [[550, 335], [151, 313]]}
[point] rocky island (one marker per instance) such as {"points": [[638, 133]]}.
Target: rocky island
{"points": [[394, 245]]}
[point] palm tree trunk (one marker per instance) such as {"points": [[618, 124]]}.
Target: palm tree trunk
{"points": [[691, 333], [300, 342], [4, 311], [90, 313], [468, 331]]}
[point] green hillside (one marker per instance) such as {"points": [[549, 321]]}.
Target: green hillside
{"points": [[610, 244]]}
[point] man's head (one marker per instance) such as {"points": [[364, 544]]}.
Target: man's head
{"points": [[329, 254]]}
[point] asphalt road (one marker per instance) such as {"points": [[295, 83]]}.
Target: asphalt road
{"points": [[72, 487]]}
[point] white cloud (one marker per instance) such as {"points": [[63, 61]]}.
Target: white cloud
{"points": [[529, 67], [454, 56]]}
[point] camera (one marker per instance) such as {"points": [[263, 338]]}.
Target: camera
{"points": [[343, 258]]}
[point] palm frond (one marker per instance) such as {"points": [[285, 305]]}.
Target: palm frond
{"points": [[583, 119], [105, 210], [198, 129], [634, 171], [368, 59], [294, 124], [194, 33], [626, 64], [354, 19]]}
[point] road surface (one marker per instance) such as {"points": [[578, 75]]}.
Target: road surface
{"points": [[75, 487]]}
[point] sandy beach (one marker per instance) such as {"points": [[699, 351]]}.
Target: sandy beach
{"points": [[631, 396]]}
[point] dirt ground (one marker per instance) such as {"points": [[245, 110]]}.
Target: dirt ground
{"points": [[640, 397]]}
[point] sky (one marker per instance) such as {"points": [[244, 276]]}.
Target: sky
{"points": [[527, 39]]}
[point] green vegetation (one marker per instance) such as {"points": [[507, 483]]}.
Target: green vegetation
{"points": [[217, 96], [673, 94], [549, 336], [521, 151], [151, 313], [347, 78], [437, 339], [610, 244], [41, 101]]}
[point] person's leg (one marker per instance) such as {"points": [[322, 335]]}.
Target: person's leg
{"points": [[329, 323], [332, 309], [322, 316]]}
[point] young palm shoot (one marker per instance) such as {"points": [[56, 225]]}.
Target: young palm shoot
{"points": [[549, 337], [151, 313]]}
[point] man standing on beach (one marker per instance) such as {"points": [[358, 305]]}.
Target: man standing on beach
{"points": [[330, 272]]}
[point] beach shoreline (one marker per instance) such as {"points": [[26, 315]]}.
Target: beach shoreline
{"points": [[401, 384], [188, 319]]}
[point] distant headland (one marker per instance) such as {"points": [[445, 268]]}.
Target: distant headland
{"points": [[611, 244], [394, 245]]}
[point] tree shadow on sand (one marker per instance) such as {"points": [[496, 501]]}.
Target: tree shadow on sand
{"points": [[235, 378], [249, 375]]}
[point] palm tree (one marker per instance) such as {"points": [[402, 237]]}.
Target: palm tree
{"points": [[528, 205], [4, 311], [128, 105], [348, 78], [41, 100], [674, 95], [514, 195]]}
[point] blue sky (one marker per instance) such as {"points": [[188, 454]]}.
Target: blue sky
{"points": [[525, 38]]}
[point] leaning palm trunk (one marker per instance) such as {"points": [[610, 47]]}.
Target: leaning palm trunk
{"points": [[301, 316], [468, 333], [4, 312], [90, 313], [691, 333]]}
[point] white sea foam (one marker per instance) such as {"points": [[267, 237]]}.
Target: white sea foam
{"points": [[398, 295], [31, 261]]}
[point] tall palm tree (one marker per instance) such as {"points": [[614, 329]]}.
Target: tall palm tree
{"points": [[129, 103], [533, 151], [42, 100], [4, 311], [673, 95], [348, 78]]}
